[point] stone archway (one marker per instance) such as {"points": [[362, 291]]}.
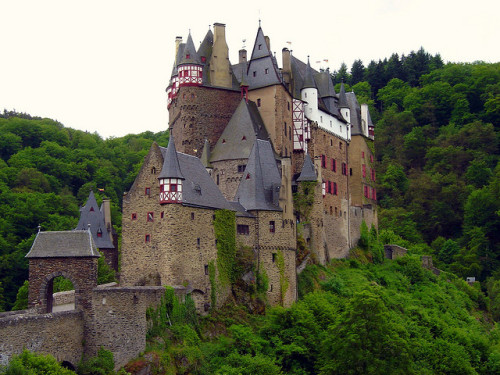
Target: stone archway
{"points": [[46, 289]]}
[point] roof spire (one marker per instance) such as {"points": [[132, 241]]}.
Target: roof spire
{"points": [[171, 168], [342, 96]]}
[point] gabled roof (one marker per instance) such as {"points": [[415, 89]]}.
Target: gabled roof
{"points": [[170, 168], [237, 139], [92, 218], [262, 69], [260, 184], [189, 55], [198, 188], [72, 243], [308, 172]]}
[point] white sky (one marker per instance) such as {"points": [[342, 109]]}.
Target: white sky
{"points": [[103, 66]]}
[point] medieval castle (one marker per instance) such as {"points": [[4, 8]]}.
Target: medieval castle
{"points": [[281, 151]]}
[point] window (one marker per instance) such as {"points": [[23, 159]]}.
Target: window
{"points": [[217, 179], [340, 145], [241, 168], [254, 73], [266, 71], [323, 161], [365, 188], [273, 257], [206, 269], [285, 130], [290, 133], [203, 59], [288, 105], [323, 188], [99, 232], [364, 170], [334, 165], [363, 154], [192, 215], [153, 170], [344, 169], [134, 216], [243, 229], [260, 46], [147, 191], [149, 216], [371, 158], [271, 227], [162, 214], [91, 209], [335, 188], [173, 187], [188, 56], [147, 238], [372, 172], [248, 176], [258, 102], [198, 242]]}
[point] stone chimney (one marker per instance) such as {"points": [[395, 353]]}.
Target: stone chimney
{"points": [[178, 41], [220, 71], [268, 43], [287, 65], [243, 55]]}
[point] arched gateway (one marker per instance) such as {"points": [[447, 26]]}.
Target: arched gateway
{"points": [[72, 254]]}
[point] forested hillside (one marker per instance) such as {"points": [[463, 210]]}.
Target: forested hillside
{"points": [[46, 173]]}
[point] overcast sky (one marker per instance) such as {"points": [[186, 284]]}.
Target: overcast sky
{"points": [[103, 66]]}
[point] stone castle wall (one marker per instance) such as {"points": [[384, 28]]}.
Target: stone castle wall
{"points": [[227, 177], [60, 334]]}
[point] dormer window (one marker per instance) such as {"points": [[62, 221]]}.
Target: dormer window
{"points": [[188, 56], [203, 59], [260, 46], [150, 216], [99, 232], [91, 209]]}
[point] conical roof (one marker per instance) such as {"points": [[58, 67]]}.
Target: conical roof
{"points": [[190, 56], [309, 79], [205, 154], [342, 97], [171, 168], [206, 46], [260, 47], [308, 172]]}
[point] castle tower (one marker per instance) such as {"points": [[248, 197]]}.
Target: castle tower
{"points": [[170, 177], [309, 94], [190, 68]]}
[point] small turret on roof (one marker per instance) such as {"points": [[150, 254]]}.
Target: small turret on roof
{"points": [[171, 168], [190, 56], [342, 97], [309, 78], [308, 172], [59, 244]]}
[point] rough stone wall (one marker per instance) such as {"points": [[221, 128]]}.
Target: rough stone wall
{"points": [[119, 321], [249, 239], [282, 240], [226, 173], [357, 149], [368, 213], [59, 334], [200, 113], [395, 251], [111, 257], [81, 271]]}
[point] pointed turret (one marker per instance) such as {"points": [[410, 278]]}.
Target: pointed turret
{"points": [[309, 94], [190, 67], [170, 177], [205, 155], [343, 104]]}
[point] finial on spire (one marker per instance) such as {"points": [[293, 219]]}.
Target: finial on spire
{"points": [[39, 228]]}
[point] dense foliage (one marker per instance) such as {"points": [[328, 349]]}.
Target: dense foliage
{"points": [[46, 173]]}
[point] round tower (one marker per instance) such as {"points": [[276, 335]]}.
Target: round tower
{"points": [[309, 94]]}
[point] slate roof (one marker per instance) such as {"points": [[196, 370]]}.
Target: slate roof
{"points": [[308, 172], [171, 168], [237, 139], [308, 78], [73, 243], [205, 154], [189, 55], [260, 184], [355, 109], [198, 188], [342, 97], [90, 214]]}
